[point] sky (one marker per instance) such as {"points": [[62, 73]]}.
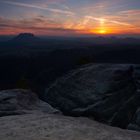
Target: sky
{"points": [[70, 17]]}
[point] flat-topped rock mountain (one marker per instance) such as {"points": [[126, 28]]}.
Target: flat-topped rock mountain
{"points": [[26, 37]]}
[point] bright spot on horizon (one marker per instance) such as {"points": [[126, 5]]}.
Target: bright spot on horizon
{"points": [[102, 31], [99, 31]]}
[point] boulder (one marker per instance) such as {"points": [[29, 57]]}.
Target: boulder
{"points": [[19, 101], [106, 92]]}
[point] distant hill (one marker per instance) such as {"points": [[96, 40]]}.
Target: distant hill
{"points": [[26, 37]]}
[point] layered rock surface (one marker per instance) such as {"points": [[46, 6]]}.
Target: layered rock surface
{"points": [[107, 92], [57, 127], [19, 101]]}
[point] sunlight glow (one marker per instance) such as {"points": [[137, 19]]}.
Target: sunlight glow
{"points": [[102, 31], [102, 21], [99, 31]]}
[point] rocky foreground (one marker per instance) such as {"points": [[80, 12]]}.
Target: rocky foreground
{"points": [[19, 101], [104, 92], [40, 126], [25, 117]]}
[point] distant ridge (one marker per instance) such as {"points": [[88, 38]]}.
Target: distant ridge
{"points": [[26, 37]]}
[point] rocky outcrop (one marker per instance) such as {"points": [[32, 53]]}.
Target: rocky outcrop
{"points": [[57, 127], [19, 101], [106, 92]]}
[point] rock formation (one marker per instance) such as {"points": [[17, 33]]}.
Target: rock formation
{"points": [[106, 92], [42, 126], [18, 101]]}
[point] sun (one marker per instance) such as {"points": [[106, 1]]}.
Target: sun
{"points": [[102, 31]]}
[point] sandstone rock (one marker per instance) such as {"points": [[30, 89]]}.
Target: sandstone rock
{"points": [[57, 127], [107, 92], [19, 101]]}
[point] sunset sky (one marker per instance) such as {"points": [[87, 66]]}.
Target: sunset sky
{"points": [[70, 17]]}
